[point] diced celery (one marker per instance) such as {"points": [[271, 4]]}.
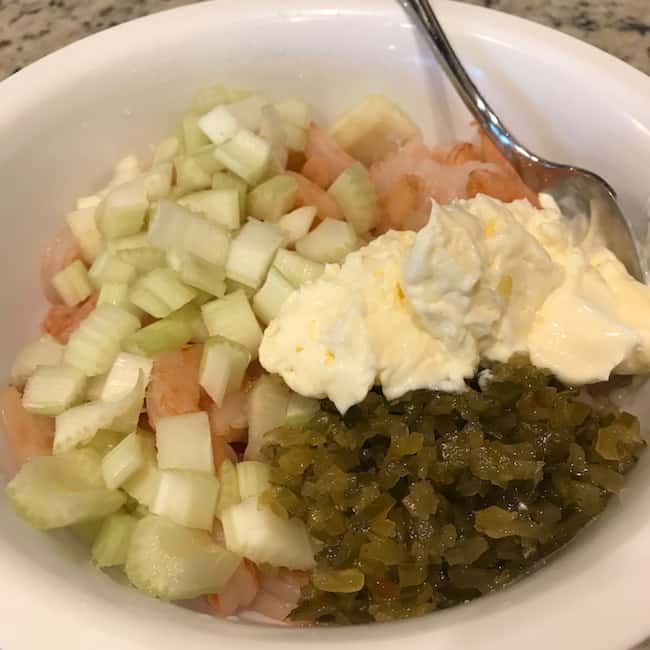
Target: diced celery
{"points": [[172, 562], [126, 170], [229, 181], [221, 206], [295, 268], [79, 424], [296, 137], [86, 531], [262, 536], [268, 300], [254, 478], [233, 318], [161, 292], [165, 334], [354, 192], [108, 267], [273, 198], [187, 498], [246, 155], [190, 176], [372, 129], [184, 442], [139, 240], [122, 212], [301, 410], [248, 111], [57, 491], [272, 130], [252, 251], [105, 440], [83, 225], [232, 286], [165, 150], [143, 259], [223, 366], [50, 390], [93, 346], [95, 386], [123, 376], [72, 283], [158, 181], [115, 293], [143, 485], [46, 351], [296, 224], [228, 486], [202, 275], [123, 461], [267, 410], [294, 111], [190, 134], [191, 315], [330, 241], [219, 124], [112, 544], [205, 159]]}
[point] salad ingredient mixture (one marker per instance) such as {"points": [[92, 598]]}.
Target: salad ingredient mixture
{"points": [[324, 375]]}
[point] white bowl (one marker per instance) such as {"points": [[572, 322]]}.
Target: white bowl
{"points": [[66, 119]]}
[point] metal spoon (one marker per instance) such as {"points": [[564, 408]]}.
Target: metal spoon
{"points": [[578, 192]]}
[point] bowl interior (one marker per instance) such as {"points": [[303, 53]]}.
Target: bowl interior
{"points": [[66, 120]]}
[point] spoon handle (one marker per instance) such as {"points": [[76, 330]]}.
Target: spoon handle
{"points": [[424, 14]]}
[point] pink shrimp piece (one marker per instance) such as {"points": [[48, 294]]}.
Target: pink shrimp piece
{"points": [[174, 386], [57, 253], [230, 420], [279, 594], [61, 320], [27, 435], [310, 194], [240, 591], [456, 154], [331, 159]]}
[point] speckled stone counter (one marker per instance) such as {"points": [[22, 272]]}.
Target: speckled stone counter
{"points": [[30, 29]]}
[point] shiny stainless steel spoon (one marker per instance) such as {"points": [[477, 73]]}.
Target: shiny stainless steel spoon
{"points": [[578, 192]]}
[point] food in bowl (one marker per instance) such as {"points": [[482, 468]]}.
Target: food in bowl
{"points": [[330, 376]]}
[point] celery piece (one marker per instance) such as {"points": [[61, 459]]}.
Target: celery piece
{"points": [[232, 286], [95, 386], [50, 390], [267, 410], [329, 242], [190, 134], [117, 294], [184, 442], [272, 130], [190, 175], [56, 491], [273, 198], [294, 111], [86, 531], [233, 318], [202, 275], [172, 562], [72, 283], [112, 543], [93, 346], [126, 169], [158, 181], [229, 181], [143, 484], [295, 268], [262, 536], [246, 155], [160, 292], [269, 299], [223, 366], [121, 462], [166, 334], [83, 225], [252, 251], [108, 267], [253, 478], [228, 486], [219, 124], [221, 206], [297, 224], [105, 440], [301, 410], [46, 351], [139, 240], [165, 150], [372, 129], [187, 498], [122, 211], [354, 192], [191, 315], [144, 259], [123, 376], [205, 159], [296, 137]]}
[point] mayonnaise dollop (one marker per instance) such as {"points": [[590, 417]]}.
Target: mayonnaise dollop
{"points": [[482, 280]]}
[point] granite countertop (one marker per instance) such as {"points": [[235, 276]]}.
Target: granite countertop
{"points": [[31, 28]]}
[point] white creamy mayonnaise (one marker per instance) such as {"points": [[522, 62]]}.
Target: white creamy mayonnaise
{"points": [[482, 280]]}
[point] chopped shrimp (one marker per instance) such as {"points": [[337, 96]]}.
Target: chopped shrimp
{"points": [[61, 320], [239, 592], [310, 194], [279, 594], [174, 386], [27, 435], [500, 186], [230, 420], [330, 159], [405, 199], [457, 154], [57, 253], [295, 161]]}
